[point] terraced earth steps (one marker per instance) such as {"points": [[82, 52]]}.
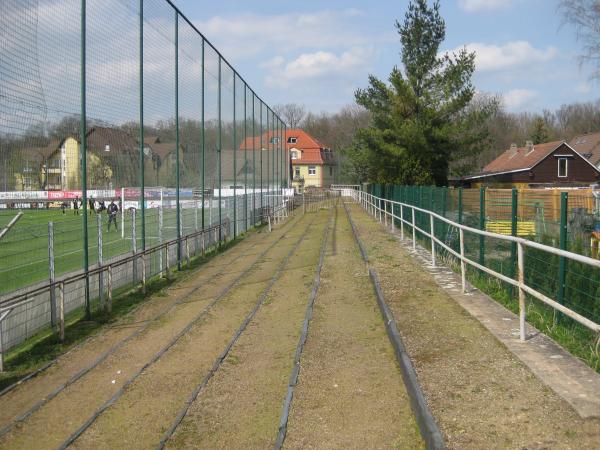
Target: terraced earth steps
{"points": [[56, 420], [350, 392], [240, 406]]}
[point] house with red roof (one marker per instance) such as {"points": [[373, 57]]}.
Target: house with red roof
{"points": [[551, 164], [312, 162]]}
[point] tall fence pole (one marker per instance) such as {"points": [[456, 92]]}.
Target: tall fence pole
{"points": [[83, 137], [52, 273], [460, 205], [100, 262], [234, 157], [177, 150], [141, 106], [219, 148], [203, 140]]}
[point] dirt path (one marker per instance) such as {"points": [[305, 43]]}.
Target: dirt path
{"points": [[221, 268], [350, 392], [479, 393], [240, 407], [55, 421]]}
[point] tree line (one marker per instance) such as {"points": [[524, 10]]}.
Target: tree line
{"points": [[427, 123]]}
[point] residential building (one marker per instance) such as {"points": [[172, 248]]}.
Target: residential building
{"points": [[551, 164], [588, 146], [312, 162]]}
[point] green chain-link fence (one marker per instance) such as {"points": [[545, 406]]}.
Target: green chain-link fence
{"points": [[122, 101]]}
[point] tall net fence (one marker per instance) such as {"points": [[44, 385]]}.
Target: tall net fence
{"points": [[121, 129]]}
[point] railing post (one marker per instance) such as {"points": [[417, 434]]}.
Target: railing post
{"points": [[522, 311], [61, 312], [100, 262], [482, 225], [110, 289], [160, 237], [134, 244], [167, 262], [513, 231], [52, 273], [143, 258], [432, 232], [414, 230], [562, 262], [463, 264], [401, 221], [385, 212], [1, 346]]}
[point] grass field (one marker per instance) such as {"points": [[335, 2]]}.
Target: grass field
{"points": [[24, 251]]}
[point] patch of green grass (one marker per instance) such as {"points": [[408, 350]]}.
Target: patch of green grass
{"points": [[45, 346], [24, 249]]}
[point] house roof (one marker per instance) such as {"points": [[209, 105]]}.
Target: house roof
{"points": [[313, 151], [588, 146], [520, 158], [41, 153], [117, 140], [158, 147]]}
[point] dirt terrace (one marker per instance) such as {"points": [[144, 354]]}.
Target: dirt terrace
{"points": [[350, 392]]}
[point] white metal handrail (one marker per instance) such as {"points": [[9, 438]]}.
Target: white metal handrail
{"points": [[378, 206]]}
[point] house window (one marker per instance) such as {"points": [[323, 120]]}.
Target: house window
{"points": [[294, 154], [274, 140], [563, 167], [297, 172], [330, 170], [312, 170], [292, 140]]}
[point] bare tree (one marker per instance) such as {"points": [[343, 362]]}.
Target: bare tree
{"points": [[584, 15], [292, 113]]}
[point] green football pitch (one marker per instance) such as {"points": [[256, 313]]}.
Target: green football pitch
{"points": [[24, 250]]}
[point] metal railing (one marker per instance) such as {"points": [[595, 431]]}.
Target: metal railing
{"points": [[385, 210]]}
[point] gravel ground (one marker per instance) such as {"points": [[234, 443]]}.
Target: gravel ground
{"points": [[241, 405], [481, 395], [350, 392]]}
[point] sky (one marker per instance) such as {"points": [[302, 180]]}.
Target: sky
{"points": [[317, 53]]}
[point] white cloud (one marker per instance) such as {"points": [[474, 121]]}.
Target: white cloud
{"points": [[319, 65], [282, 33], [490, 57], [518, 97], [483, 5]]}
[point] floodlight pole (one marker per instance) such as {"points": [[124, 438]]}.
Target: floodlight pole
{"points": [[219, 152], [234, 159], [203, 134]]}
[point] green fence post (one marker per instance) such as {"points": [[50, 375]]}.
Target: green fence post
{"points": [[203, 136], [460, 205], [141, 106], [253, 161], [177, 162], [234, 159], [513, 231], [83, 132], [245, 157], [562, 262], [220, 142], [482, 225]]}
